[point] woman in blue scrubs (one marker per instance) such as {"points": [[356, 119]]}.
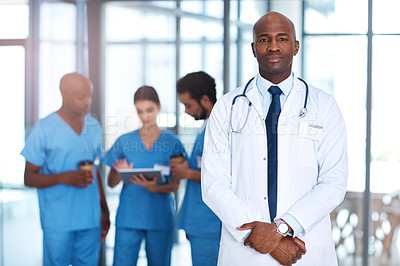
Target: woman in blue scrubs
{"points": [[146, 209]]}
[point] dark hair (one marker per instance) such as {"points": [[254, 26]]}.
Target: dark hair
{"points": [[146, 93], [197, 84]]}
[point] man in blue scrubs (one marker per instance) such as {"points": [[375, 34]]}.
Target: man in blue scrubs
{"points": [[73, 210], [203, 228]]}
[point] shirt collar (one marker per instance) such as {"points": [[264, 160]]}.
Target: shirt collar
{"points": [[263, 84], [203, 127]]}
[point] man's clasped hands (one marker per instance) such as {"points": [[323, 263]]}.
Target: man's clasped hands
{"points": [[265, 239]]}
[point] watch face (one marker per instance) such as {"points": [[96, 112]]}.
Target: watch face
{"points": [[283, 228]]}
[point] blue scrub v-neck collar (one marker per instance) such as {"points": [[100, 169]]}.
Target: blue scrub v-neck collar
{"points": [[141, 141], [70, 128]]}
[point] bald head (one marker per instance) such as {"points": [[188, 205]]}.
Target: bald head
{"points": [[273, 18], [76, 91], [73, 82], [274, 45]]}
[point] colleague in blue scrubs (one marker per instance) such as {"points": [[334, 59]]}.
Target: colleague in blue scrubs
{"points": [[203, 228], [73, 212], [146, 209]]}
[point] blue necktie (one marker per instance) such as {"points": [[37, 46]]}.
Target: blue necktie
{"points": [[272, 140]]}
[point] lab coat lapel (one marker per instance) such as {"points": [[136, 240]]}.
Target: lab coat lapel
{"points": [[294, 103], [254, 97]]}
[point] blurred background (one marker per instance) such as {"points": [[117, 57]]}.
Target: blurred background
{"points": [[348, 48]]}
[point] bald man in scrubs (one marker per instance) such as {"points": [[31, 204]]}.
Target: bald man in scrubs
{"points": [[73, 211]]}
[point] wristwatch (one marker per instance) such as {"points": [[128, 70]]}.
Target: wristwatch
{"points": [[282, 227]]}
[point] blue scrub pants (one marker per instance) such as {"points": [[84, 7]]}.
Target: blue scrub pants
{"points": [[204, 250], [128, 241], [80, 247]]}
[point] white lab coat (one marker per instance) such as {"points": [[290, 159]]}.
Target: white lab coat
{"points": [[312, 173]]}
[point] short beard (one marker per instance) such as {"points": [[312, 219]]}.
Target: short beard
{"points": [[203, 114]]}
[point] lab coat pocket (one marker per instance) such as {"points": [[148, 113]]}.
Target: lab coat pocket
{"points": [[238, 143], [308, 137]]}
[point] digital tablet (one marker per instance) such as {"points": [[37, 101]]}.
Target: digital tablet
{"points": [[149, 174]]}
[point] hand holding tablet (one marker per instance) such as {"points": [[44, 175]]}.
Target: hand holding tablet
{"points": [[148, 173]]}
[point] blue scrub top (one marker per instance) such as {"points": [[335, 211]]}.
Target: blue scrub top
{"points": [[139, 208], [56, 148], [194, 216]]}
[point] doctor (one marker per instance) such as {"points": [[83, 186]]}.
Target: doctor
{"points": [[275, 160]]}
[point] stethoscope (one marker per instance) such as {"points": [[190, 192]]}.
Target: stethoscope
{"points": [[302, 114]]}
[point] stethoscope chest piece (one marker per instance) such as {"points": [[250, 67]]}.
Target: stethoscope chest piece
{"points": [[303, 112]]}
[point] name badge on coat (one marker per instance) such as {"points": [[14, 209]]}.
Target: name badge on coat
{"points": [[310, 131]]}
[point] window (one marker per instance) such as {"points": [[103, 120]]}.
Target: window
{"points": [[335, 16], [385, 17], [12, 108], [15, 16], [335, 59], [18, 207], [57, 52], [138, 52], [324, 68]]}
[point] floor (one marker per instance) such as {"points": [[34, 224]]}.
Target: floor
{"points": [[180, 256], [20, 233]]}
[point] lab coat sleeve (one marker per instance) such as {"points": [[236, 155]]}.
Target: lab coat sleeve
{"points": [[216, 174], [331, 184]]}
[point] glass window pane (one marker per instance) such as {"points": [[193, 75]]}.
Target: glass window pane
{"points": [[213, 31], [191, 58], [208, 58], [336, 16], [233, 67], [213, 8], [163, 3], [385, 150], [234, 9], [189, 126], [251, 11], [14, 19], [129, 22], [337, 65], [123, 76], [195, 29], [386, 16], [214, 64], [56, 60], [199, 57], [249, 66], [160, 73], [159, 27], [12, 110], [119, 21], [385, 165], [58, 21], [191, 29]]}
